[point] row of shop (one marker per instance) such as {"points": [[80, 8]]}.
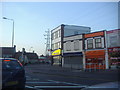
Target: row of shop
{"points": [[91, 60], [95, 51]]}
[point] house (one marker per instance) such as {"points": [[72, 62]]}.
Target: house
{"points": [[113, 44], [7, 52], [32, 57], [26, 57], [95, 52], [73, 51], [57, 36], [22, 57]]}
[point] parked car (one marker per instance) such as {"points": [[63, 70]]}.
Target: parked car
{"points": [[13, 74]]}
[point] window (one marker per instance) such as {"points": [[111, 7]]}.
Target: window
{"points": [[76, 32], [76, 45], [52, 36], [98, 43], [59, 44], [59, 33], [10, 65], [52, 46], [56, 35], [90, 44], [113, 41], [68, 46], [56, 45]]}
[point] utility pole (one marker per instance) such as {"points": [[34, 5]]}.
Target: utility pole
{"points": [[47, 37]]}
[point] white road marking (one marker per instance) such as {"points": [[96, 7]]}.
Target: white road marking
{"points": [[59, 87], [68, 83], [38, 82], [28, 86]]}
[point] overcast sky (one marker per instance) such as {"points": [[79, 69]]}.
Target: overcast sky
{"points": [[32, 19]]}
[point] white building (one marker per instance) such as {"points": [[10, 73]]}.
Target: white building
{"points": [[57, 36], [73, 51]]}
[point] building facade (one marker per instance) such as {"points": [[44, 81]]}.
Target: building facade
{"points": [[113, 43], [73, 51], [57, 36], [7, 52], [95, 55]]}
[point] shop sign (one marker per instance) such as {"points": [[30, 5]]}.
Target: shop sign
{"points": [[95, 54], [114, 49], [115, 58], [56, 52]]}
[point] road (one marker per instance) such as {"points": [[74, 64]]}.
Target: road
{"points": [[43, 77]]}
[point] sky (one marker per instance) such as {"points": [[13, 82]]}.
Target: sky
{"points": [[32, 19]]}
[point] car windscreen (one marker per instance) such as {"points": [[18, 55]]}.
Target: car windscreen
{"points": [[10, 64]]}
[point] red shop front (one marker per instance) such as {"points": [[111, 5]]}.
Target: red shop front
{"points": [[114, 57], [95, 59]]}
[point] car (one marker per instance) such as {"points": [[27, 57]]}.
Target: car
{"points": [[13, 74]]}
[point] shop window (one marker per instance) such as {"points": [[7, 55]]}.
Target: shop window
{"points": [[90, 44], [98, 43]]}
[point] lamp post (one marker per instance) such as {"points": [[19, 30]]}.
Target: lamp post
{"points": [[12, 30]]}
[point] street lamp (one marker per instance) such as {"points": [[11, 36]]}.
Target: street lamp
{"points": [[12, 31]]}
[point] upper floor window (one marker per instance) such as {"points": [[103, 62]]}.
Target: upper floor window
{"points": [[76, 45], [56, 34], [98, 43], [113, 41], [59, 33], [90, 44], [53, 46], [68, 46], [52, 36]]}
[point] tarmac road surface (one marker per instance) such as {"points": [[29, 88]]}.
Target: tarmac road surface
{"points": [[46, 77]]}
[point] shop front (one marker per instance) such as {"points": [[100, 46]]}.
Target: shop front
{"points": [[73, 60], [95, 59], [114, 57], [56, 57]]}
